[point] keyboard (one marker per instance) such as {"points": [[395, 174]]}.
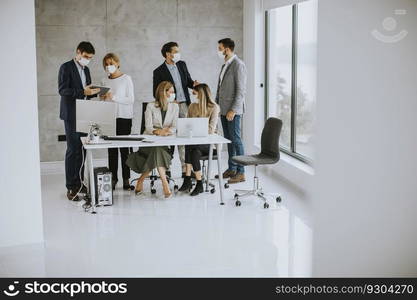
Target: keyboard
{"points": [[122, 138]]}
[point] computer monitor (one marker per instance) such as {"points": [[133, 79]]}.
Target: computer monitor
{"points": [[192, 127], [102, 113]]}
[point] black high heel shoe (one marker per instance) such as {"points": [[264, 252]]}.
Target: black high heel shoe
{"points": [[198, 188], [186, 185]]}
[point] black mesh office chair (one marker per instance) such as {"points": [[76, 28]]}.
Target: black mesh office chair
{"points": [[153, 177], [269, 155]]}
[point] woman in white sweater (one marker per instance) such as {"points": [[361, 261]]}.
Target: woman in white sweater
{"points": [[121, 92]]}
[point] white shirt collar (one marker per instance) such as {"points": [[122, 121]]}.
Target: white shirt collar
{"points": [[79, 66], [229, 61]]}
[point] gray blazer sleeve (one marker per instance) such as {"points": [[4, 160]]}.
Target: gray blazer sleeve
{"points": [[240, 80]]}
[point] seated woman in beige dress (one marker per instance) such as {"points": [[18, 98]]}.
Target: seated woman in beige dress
{"points": [[160, 119], [204, 108]]}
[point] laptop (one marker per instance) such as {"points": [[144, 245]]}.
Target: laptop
{"points": [[192, 127]]}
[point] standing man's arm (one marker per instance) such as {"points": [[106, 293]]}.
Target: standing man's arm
{"points": [[240, 81], [156, 81], [64, 85], [88, 82], [189, 81]]}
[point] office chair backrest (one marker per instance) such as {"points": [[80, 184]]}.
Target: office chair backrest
{"points": [[270, 138], [142, 124]]}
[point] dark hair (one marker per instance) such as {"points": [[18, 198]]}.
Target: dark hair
{"points": [[167, 48], [228, 43], [86, 47]]}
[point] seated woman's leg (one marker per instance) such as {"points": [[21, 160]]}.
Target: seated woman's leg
{"points": [[145, 160], [188, 165], [160, 158], [187, 184], [195, 155], [139, 183], [165, 184]]}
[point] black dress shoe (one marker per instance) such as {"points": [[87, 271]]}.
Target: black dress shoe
{"points": [[72, 195], [113, 184], [198, 188], [126, 185]]}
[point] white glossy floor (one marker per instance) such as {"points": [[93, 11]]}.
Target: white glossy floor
{"points": [[149, 236]]}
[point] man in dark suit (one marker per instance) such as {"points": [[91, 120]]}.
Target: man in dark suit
{"points": [[174, 70], [74, 83]]}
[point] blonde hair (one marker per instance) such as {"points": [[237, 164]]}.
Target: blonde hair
{"points": [[161, 98], [205, 100], [110, 56]]}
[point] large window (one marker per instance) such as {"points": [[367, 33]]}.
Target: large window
{"points": [[291, 42]]}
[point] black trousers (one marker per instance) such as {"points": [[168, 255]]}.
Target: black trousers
{"points": [[123, 127], [193, 155], [73, 156]]}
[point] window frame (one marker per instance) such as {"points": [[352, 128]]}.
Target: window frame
{"points": [[292, 151]]}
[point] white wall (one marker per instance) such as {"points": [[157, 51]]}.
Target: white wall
{"points": [[366, 165], [253, 52], [20, 199]]}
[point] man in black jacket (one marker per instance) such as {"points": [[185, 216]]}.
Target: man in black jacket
{"points": [[74, 83], [174, 70]]}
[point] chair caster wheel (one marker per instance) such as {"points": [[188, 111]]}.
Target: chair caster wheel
{"points": [[132, 187], [153, 191], [226, 185], [266, 205], [278, 199], [238, 203], [212, 191], [236, 196]]}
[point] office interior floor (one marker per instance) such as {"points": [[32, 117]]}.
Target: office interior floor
{"points": [[149, 236]]}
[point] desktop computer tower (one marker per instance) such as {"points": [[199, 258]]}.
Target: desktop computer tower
{"points": [[103, 186]]}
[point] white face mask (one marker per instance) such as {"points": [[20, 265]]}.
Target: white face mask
{"points": [[221, 54], [84, 61], [111, 69], [177, 57], [171, 98]]}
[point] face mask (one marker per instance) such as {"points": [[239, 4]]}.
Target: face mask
{"points": [[84, 61], [221, 54], [177, 57], [111, 69], [171, 98]]}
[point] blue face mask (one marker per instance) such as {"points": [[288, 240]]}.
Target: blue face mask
{"points": [[171, 98]]}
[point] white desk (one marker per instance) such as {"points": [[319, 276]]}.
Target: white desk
{"points": [[211, 140]]}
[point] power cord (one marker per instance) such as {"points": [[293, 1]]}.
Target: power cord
{"points": [[79, 174]]}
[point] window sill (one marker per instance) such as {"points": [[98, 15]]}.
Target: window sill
{"points": [[292, 170], [296, 163]]}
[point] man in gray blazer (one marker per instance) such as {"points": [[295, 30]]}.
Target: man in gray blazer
{"points": [[231, 90]]}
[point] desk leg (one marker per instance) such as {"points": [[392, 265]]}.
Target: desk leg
{"points": [[209, 167], [219, 168], [91, 180]]}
